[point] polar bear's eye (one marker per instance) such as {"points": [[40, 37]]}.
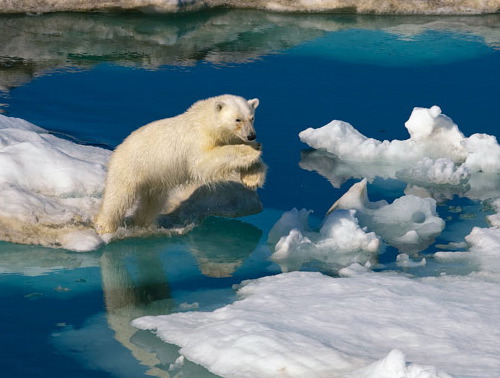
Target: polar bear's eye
{"points": [[238, 120]]}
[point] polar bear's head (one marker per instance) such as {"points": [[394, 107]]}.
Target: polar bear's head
{"points": [[235, 117]]}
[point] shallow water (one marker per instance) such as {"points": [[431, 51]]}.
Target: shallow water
{"points": [[95, 78]]}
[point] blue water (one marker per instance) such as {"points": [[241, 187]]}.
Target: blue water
{"points": [[66, 314]]}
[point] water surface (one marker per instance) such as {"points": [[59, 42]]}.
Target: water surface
{"points": [[95, 78]]}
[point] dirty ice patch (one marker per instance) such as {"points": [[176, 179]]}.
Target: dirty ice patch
{"points": [[339, 242], [50, 187], [309, 324]]}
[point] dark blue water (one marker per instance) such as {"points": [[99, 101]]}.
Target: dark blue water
{"points": [[67, 315]]}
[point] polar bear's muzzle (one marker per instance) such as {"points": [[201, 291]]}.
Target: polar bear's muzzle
{"points": [[251, 136]]}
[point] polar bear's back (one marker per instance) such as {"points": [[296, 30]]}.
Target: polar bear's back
{"points": [[154, 150]]}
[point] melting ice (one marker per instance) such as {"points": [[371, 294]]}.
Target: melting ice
{"points": [[437, 158]]}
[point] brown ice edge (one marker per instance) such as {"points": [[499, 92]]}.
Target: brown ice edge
{"points": [[402, 7]]}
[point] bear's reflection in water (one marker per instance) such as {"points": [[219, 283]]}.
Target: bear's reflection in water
{"points": [[193, 203], [135, 282], [188, 206]]}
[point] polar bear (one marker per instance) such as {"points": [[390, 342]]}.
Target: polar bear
{"points": [[212, 142]]}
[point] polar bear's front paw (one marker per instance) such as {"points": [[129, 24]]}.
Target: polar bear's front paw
{"points": [[255, 176], [255, 145], [251, 181]]}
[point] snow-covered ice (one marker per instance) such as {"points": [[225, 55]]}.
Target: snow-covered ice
{"points": [[50, 187], [307, 324], [410, 223], [353, 230], [432, 135], [436, 159], [339, 242]]}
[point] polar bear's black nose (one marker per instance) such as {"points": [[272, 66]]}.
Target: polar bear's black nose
{"points": [[251, 136]]}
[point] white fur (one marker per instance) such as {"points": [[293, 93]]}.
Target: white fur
{"points": [[213, 141]]}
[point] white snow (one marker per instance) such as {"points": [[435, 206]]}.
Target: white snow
{"points": [[353, 229], [50, 187], [339, 242], [432, 135], [307, 324], [410, 223]]}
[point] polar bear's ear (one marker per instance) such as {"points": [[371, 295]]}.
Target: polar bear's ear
{"points": [[219, 105], [253, 103]]}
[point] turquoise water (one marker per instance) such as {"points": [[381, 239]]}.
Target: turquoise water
{"points": [[95, 78]]}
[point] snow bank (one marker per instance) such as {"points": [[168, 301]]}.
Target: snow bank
{"points": [[49, 187], [354, 6], [306, 324]]}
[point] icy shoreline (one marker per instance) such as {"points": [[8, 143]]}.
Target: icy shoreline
{"points": [[439, 7]]}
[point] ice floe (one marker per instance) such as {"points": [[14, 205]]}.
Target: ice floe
{"points": [[363, 325], [353, 231], [432, 135], [437, 158], [49, 187], [410, 223], [339, 242]]}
